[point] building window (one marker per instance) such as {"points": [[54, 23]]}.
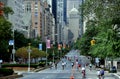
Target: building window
{"points": [[36, 14], [36, 23]]}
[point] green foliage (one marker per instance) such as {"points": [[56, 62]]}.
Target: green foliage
{"points": [[6, 72], [35, 52], [5, 29], [5, 35], [19, 65], [103, 24], [42, 63], [7, 10], [20, 40]]}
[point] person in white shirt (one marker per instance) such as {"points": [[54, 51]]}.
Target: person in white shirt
{"points": [[98, 74], [83, 72], [63, 65]]}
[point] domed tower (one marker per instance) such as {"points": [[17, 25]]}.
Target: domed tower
{"points": [[73, 25]]}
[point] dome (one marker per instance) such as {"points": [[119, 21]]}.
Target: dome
{"points": [[74, 10]]}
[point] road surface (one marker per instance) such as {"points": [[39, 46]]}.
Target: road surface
{"points": [[59, 73]]}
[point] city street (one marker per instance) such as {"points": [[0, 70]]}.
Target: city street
{"points": [[59, 39], [59, 73]]}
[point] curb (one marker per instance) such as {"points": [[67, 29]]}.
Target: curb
{"points": [[11, 76], [116, 75]]}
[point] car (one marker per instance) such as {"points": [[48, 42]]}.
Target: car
{"points": [[113, 69]]}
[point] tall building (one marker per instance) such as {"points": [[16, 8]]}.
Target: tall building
{"points": [[40, 18], [36, 19], [76, 4], [59, 12], [17, 18], [65, 11], [70, 4], [60, 21], [74, 28], [54, 12]]}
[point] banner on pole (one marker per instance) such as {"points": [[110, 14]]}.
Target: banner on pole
{"points": [[40, 46], [48, 43], [59, 47]]}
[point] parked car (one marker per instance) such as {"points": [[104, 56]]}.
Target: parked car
{"points": [[113, 69]]}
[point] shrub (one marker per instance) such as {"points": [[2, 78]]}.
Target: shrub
{"points": [[42, 64], [19, 65], [6, 72]]}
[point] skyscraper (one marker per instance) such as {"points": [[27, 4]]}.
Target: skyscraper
{"points": [[73, 25], [75, 4], [70, 4], [17, 18], [59, 12]]}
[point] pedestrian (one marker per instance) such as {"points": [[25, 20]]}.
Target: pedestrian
{"points": [[55, 65], [50, 65], [83, 72], [99, 74], [90, 66], [79, 65], [72, 64], [102, 73], [63, 65], [76, 64]]}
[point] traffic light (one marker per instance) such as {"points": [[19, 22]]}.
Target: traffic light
{"points": [[92, 42]]}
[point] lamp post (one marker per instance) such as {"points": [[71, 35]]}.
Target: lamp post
{"points": [[46, 56], [53, 53], [13, 50], [29, 51], [53, 56]]}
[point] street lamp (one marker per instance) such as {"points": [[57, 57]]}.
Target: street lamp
{"points": [[13, 50], [29, 51], [46, 56], [53, 56]]}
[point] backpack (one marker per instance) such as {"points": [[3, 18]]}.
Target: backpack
{"points": [[102, 72]]}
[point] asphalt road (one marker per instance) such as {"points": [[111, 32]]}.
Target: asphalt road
{"points": [[59, 73]]}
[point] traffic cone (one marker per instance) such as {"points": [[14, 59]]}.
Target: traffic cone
{"points": [[71, 77]]}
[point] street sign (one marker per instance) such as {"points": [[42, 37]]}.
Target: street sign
{"points": [[40, 46], [11, 42], [1, 61]]}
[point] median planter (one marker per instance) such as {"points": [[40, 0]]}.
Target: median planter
{"points": [[20, 68]]}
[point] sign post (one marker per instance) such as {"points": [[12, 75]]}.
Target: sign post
{"points": [[0, 63], [47, 47]]}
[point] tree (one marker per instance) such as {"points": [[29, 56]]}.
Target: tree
{"points": [[105, 16], [34, 54], [5, 33], [20, 40]]}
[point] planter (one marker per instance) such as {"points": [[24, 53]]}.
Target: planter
{"points": [[20, 68]]}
